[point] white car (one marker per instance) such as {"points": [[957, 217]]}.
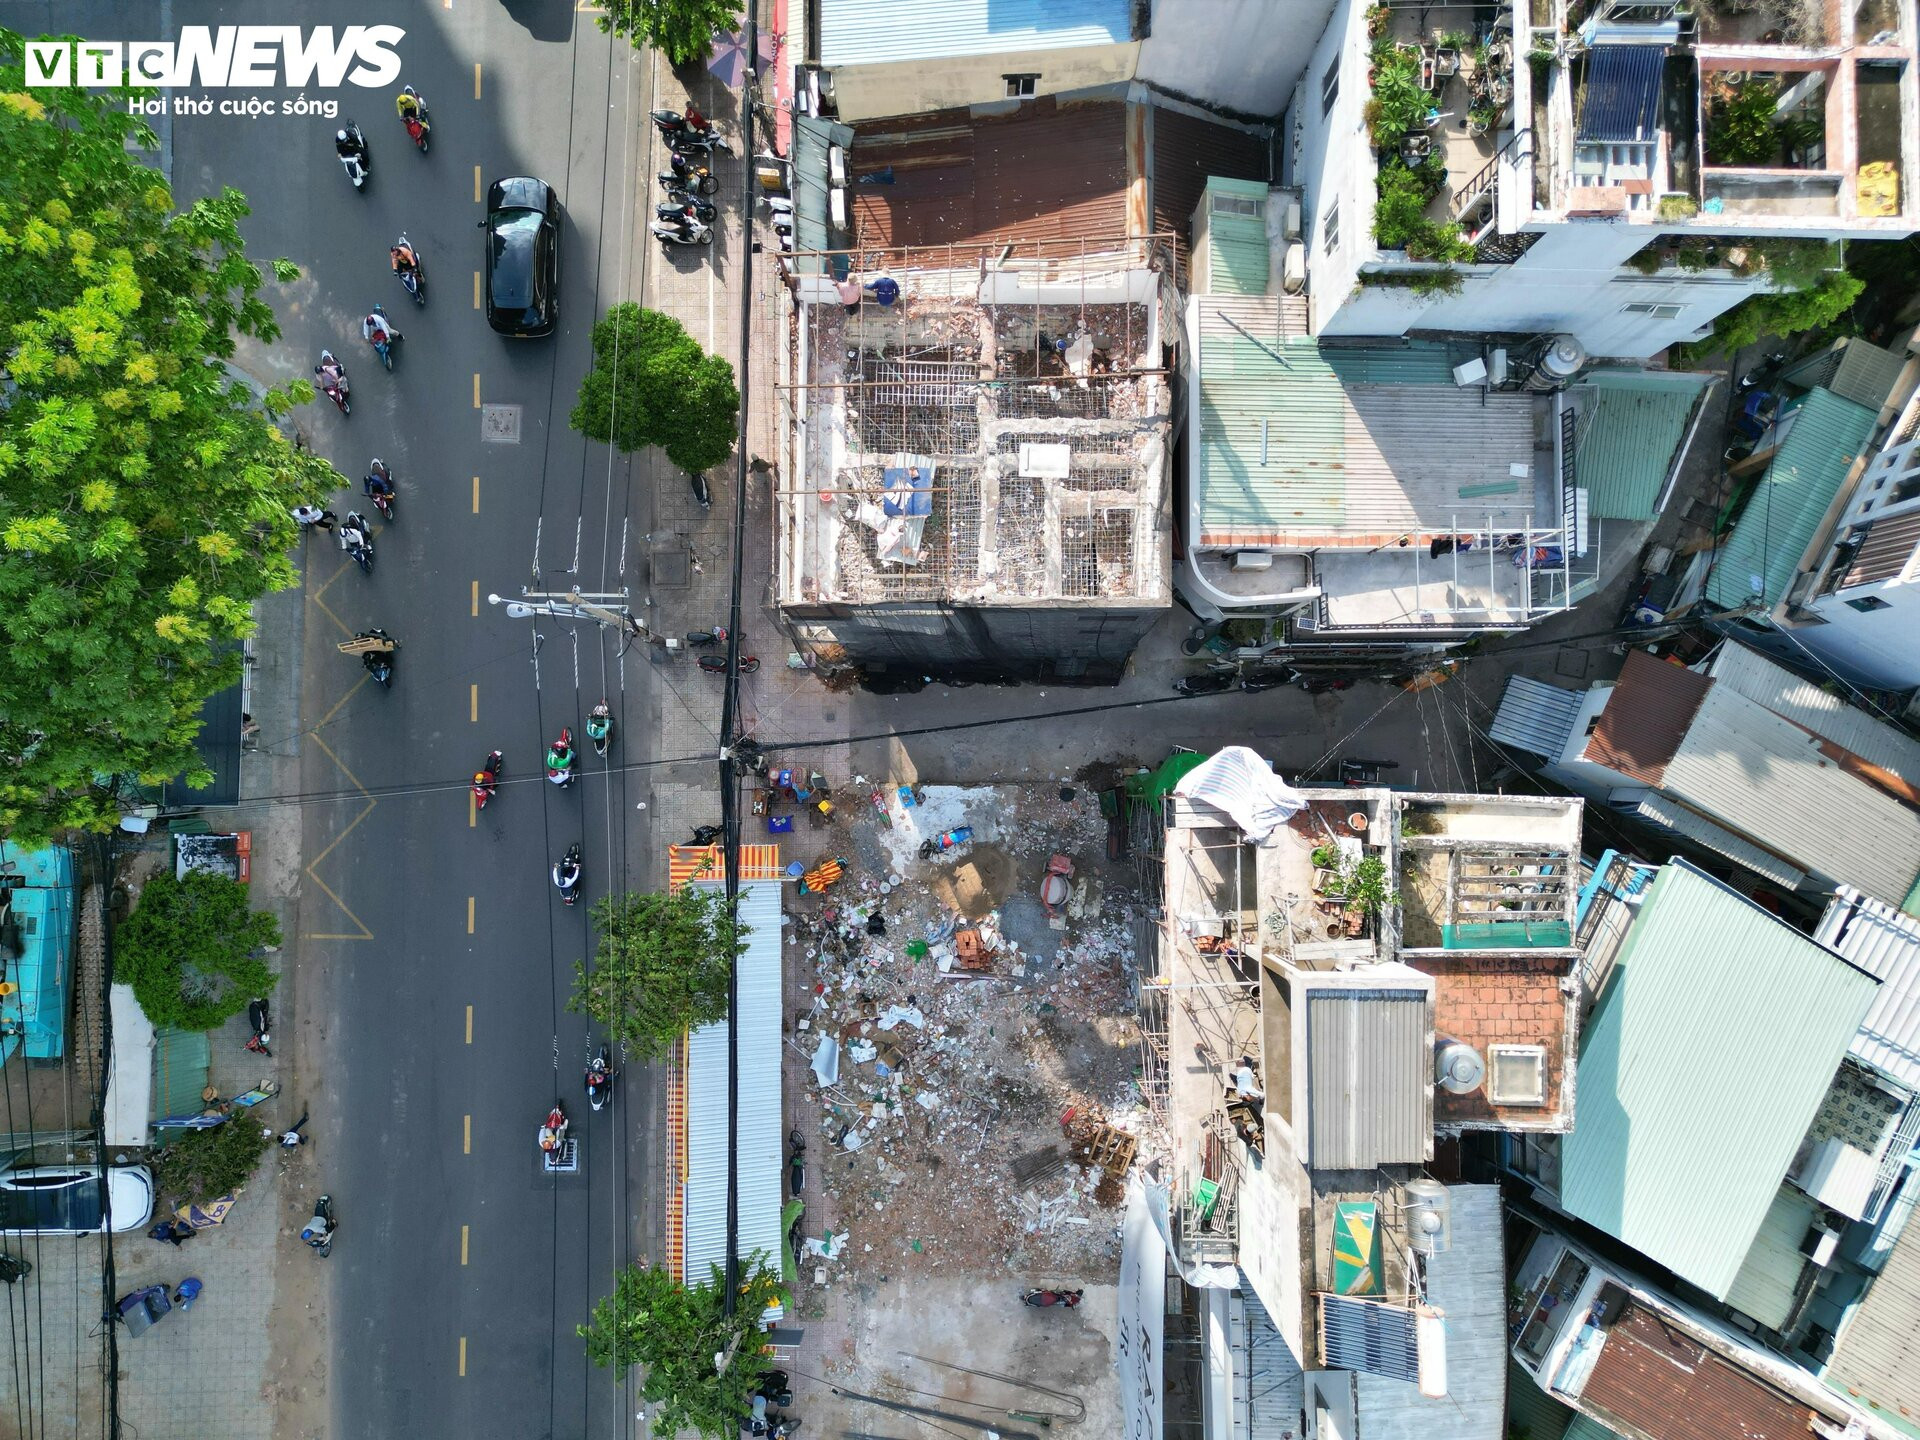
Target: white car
{"points": [[65, 1199]]}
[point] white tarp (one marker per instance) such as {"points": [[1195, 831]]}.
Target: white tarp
{"points": [[1142, 1313], [1201, 1277], [129, 1100], [1240, 782]]}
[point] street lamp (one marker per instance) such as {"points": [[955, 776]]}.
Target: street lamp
{"points": [[572, 605]]}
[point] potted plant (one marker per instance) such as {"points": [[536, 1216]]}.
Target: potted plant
{"points": [[1365, 888], [1446, 55], [1482, 118]]}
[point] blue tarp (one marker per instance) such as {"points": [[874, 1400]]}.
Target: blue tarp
{"points": [[908, 492]]}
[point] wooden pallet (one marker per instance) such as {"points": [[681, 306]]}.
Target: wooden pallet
{"points": [[1112, 1150]]}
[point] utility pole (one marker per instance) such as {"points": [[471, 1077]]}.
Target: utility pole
{"points": [[609, 609]]}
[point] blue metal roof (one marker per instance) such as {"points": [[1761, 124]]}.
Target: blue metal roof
{"points": [[37, 906], [1622, 101], [867, 32]]}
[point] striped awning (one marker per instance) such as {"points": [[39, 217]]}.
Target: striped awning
{"points": [[707, 862]]}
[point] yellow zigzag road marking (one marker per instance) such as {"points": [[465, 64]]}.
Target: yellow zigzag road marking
{"points": [[313, 865]]}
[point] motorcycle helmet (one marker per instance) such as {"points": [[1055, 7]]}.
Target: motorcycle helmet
{"points": [[341, 136]]}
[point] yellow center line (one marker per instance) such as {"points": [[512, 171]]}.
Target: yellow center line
{"points": [[473, 811], [476, 184], [469, 1041], [466, 1144], [463, 1244], [463, 1355], [476, 79], [476, 597], [476, 494], [473, 703], [476, 289], [476, 389], [469, 931]]}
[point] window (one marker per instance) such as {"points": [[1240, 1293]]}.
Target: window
{"points": [[1647, 307], [1867, 604], [1330, 87], [1021, 87], [1330, 228], [1237, 205]]}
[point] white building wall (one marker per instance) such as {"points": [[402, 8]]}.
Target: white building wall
{"points": [[1571, 281], [1332, 163], [1240, 55], [869, 91]]}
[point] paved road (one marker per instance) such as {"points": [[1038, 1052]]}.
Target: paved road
{"points": [[450, 1037]]}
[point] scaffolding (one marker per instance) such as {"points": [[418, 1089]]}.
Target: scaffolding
{"points": [[1023, 392]]}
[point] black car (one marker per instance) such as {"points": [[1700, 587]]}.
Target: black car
{"points": [[523, 256]]}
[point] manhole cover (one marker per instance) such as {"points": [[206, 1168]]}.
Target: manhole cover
{"points": [[500, 424], [667, 565]]}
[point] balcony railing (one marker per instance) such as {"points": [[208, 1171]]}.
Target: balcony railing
{"points": [[1483, 190]]}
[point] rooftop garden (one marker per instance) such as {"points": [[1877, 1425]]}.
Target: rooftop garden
{"points": [[1746, 128], [1411, 173]]}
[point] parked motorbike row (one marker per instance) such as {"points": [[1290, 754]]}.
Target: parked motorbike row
{"points": [[686, 217]]}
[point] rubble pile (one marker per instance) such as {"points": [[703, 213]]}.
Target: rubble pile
{"points": [[968, 1055]]}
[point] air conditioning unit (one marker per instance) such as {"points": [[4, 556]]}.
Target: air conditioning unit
{"points": [[1838, 1175], [1252, 560], [1517, 1074], [1820, 1243], [836, 165], [837, 207]]}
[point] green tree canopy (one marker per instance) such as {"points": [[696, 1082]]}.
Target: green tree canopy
{"points": [[681, 30], [675, 1331], [661, 966], [652, 384], [145, 493], [192, 950]]}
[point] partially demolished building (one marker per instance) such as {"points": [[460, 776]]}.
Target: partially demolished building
{"points": [[975, 480]]}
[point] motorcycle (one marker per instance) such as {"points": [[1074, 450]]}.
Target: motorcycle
{"points": [[717, 665], [567, 875], [486, 780], [356, 542], [701, 491], [796, 1176], [378, 484], [260, 1020], [419, 127], [560, 759], [684, 174], [553, 1133], [689, 209], [1355, 771], [413, 277], [600, 727], [379, 662], [599, 1081], [671, 123], [1041, 1299], [319, 1231], [698, 638], [384, 341], [707, 834], [359, 160], [681, 232], [1207, 682], [703, 142], [333, 381]]}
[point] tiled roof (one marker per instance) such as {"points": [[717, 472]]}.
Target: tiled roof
{"points": [[1762, 555], [1485, 1001], [1631, 422], [1646, 717], [862, 32], [1714, 1000], [1665, 1384], [1048, 172]]}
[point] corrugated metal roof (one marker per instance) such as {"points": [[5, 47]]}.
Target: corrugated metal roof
{"points": [[1646, 717], [1621, 103], [761, 1136], [1275, 1400], [1187, 151], [1769, 1276], [1047, 172], [1885, 550], [1794, 697], [1659, 810], [1763, 553], [812, 137], [1855, 369], [1658, 1380], [1700, 1069], [1369, 1078], [1631, 424], [1532, 1411], [1536, 717], [1468, 1283], [1766, 778], [866, 32], [1884, 943], [1585, 1427], [1876, 1360], [1358, 441]]}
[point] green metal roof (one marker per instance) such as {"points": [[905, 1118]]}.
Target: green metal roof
{"points": [[1296, 398], [1634, 420], [1705, 1061], [1238, 256], [1761, 556]]}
